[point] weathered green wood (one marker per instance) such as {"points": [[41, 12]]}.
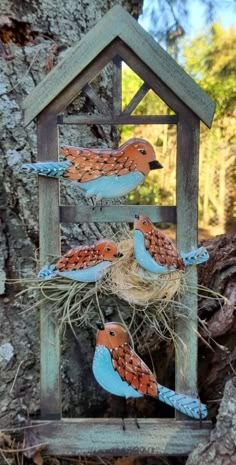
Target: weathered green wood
{"points": [[154, 82], [140, 94], [187, 224], [49, 234], [116, 85], [116, 214], [76, 60], [117, 119], [105, 437], [59, 104], [166, 68], [118, 35], [117, 23], [94, 97]]}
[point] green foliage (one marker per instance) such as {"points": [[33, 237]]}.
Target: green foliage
{"points": [[130, 84], [151, 193], [151, 104], [211, 60]]}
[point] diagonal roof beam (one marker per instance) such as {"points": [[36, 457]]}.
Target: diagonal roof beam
{"points": [[118, 24], [103, 107], [136, 98]]}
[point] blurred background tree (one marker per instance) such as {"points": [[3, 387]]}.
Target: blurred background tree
{"points": [[169, 20], [210, 58]]}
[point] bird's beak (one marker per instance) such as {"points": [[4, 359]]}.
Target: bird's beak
{"points": [[136, 216], [118, 254], [155, 165], [100, 325]]}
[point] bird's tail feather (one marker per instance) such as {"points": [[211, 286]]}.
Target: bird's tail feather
{"points": [[196, 256], [47, 272], [49, 168], [185, 404]]}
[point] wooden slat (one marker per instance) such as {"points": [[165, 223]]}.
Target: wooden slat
{"points": [[187, 218], [103, 107], [166, 68], [119, 119], [75, 62], [105, 437], [155, 83], [116, 214], [116, 85], [49, 245], [137, 98], [73, 89], [117, 23]]}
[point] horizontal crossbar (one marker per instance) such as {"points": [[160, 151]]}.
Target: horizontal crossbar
{"points": [[117, 119], [106, 437], [116, 214]]}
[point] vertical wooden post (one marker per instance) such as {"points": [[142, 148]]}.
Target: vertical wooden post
{"points": [[187, 221], [49, 226], [116, 85]]}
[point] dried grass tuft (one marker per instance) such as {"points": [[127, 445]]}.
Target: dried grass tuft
{"points": [[153, 299], [68, 302]]}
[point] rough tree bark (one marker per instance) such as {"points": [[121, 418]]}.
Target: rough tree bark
{"points": [[217, 368], [219, 274], [34, 36], [220, 449]]}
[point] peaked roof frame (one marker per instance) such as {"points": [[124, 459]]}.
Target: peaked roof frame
{"points": [[118, 24], [118, 36]]}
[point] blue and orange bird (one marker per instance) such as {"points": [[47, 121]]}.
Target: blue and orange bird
{"points": [[103, 173], [120, 371], [155, 252], [84, 263]]}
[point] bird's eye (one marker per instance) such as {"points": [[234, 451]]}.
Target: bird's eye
{"points": [[144, 222], [143, 151], [112, 333], [108, 248]]}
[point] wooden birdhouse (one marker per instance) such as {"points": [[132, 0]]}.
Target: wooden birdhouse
{"points": [[119, 38]]}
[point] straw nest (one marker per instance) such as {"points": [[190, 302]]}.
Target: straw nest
{"points": [[129, 281], [152, 298], [147, 303]]}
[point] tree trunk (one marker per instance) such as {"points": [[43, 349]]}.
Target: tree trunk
{"points": [[217, 368], [34, 36], [220, 449], [218, 274]]}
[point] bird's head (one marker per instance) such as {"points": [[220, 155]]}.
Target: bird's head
{"points": [[142, 153], [143, 223], [111, 335], [108, 249]]}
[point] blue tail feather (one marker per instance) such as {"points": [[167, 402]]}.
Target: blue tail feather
{"points": [[49, 168], [185, 404], [196, 256], [48, 271]]}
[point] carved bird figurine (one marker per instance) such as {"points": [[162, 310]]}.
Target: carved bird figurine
{"points": [[120, 371], [84, 263], [103, 173], [156, 253]]}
